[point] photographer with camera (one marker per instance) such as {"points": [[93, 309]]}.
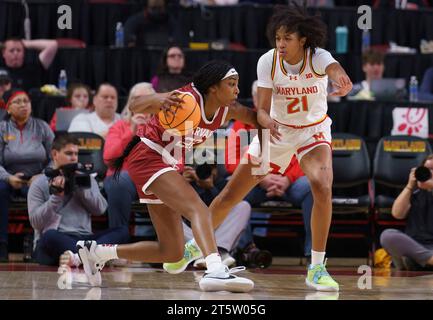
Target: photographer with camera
{"points": [[61, 203], [413, 249]]}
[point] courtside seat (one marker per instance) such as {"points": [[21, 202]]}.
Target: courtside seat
{"points": [[394, 158], [351, 168], [351, 200]]}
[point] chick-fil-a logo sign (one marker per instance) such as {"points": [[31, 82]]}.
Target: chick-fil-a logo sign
{"points": [[410, 121]]}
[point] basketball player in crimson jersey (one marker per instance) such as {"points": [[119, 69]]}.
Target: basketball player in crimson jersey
{"points": [[292, 104], [167, 194]]}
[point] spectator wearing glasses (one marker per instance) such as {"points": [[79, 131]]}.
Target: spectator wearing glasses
{"points": [[25, 144], [172, 72]]}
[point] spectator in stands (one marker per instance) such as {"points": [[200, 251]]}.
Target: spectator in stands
{"points": [[172, 72], [77, 97], [399, 4], [60, 217], [413, 248], [104, 116], [5, 85], [26, 74], [208, 181], [148, 27], [293, 186], [426, 88], [121, 192], [373, 66], [25, 144]]}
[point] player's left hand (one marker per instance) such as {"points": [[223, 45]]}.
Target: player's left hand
{"points": [[342, 86]]}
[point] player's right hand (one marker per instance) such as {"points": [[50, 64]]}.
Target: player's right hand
{"points": [[273, 128], [168, 100]]}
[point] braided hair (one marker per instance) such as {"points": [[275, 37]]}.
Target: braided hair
{"points": [[208, 75]]}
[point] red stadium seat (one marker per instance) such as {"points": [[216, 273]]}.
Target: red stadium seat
{"points": [[70, 43]]}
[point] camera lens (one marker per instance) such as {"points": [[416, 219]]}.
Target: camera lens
{"points": [[422, 174], [203, 171]]}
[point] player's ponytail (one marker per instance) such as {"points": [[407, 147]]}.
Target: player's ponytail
{"points": [[117, 163]]}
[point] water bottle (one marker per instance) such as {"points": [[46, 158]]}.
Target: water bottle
{"points": [[63, 82], [119, 35], [365, 40], [413, 89], [341, 33]]}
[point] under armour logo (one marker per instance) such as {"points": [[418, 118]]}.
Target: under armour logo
{"points": [[293, 77], [319, 136], [309, 75]]}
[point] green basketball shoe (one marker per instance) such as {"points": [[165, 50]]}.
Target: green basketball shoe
{"points": [[192, 252], [319, 279]]}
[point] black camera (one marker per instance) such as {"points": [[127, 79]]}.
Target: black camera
{"points": [[253, 257], [76, 175], [422, 174], [204, 171]]}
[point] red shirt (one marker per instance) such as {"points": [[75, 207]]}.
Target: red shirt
{"points": [[118, 137], [293, 171]]}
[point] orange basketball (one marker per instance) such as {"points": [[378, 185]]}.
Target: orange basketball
{"points": [[185, 118]]}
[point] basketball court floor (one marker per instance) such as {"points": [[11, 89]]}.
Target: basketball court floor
{"points": [[282, 281]]}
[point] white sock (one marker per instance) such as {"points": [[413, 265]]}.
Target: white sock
{"points": [[106, 251], [317, 257], [213, 262]]}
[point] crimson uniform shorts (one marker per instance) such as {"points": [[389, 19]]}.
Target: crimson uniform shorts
{"points": [[298, 141], [145, 164]]}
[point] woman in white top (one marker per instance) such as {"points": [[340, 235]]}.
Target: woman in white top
{"points": [[292, 105], [292, 91]]}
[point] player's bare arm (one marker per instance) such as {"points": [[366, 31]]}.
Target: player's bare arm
{"points": [[340, 80], [264, 96], [244, 114], [155, 102]]}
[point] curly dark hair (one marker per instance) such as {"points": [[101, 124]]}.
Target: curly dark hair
{"points": [[294, 18]]}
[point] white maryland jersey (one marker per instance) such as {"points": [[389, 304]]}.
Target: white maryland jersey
{"points": [[299, 92]]}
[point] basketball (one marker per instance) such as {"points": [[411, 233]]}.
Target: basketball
{"points": [[184, 118]]}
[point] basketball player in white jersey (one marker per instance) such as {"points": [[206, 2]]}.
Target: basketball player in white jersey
{"points": [[292, 103], [292, 91]]}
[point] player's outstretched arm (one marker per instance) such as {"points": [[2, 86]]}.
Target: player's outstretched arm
{"points": [[244, 114], [340, 80], [155, 102]]}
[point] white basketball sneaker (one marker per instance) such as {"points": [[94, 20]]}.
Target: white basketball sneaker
{"points": [[92, 264], [223, 279]]}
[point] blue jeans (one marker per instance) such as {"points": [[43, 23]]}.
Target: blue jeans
{"points": [[120, 195], [299, 194], [53, 243], [6, 191]]}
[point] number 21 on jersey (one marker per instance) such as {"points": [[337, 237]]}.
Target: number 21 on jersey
{"points": [[295, 104]]}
